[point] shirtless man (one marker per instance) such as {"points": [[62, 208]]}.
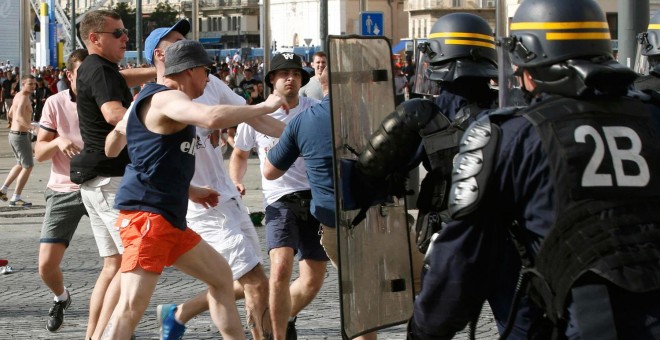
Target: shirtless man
{"points": [[20, 116]]}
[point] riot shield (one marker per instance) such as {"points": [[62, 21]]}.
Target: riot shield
{"points": [[508, 85], [376, 289]]}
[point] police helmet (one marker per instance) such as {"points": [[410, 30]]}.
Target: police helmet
{"points": [[647, 60], [546, 32], [650, 40], [459, 45]]}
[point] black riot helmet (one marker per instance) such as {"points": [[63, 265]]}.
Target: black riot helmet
{"points": [[545, 32], [650, 40], [648, 50], [459, 45], [566, 47]]}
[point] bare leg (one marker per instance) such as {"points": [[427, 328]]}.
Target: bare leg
{"points": [[109, 303], [222, 304], [50, 258], [137, 286], [281, 268], [305, 288], [111, 266], [13, 173], [256, 302], [22, 180], [255, 284]]}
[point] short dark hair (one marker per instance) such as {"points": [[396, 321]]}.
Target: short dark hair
{"points": [[319, 54], [76, 56], [94, 21]]}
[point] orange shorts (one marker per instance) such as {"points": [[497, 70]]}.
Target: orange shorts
{"points": [[151, 242]]}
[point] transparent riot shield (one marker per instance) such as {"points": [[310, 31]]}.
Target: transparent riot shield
{"points": [[374, 256]]}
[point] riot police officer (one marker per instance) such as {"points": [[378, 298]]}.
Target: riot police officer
{"points": [[455, 66], [648, 62], [567, 189]]}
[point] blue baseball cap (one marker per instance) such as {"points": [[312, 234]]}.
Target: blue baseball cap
{"points": [[182, 26]]}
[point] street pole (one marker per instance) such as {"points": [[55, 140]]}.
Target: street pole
{"points": [[266, 39], [323, 20], [194, 20], [24, 35], [73, 27], [138, 32], [633, 19]]}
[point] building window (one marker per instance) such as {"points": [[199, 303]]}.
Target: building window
{"points": [[456, 3]]}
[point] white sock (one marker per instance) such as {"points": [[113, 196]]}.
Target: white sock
{"points": [[4, 189], [292, 318], [15, 197], [63, 296]]}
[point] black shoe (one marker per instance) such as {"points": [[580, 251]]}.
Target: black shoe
{"points": [[56, 314], [291, 333]]}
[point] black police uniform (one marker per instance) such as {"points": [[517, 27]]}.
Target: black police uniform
{"points": [[566, 189]]}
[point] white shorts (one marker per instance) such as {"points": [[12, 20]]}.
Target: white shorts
{"points": [[98, 195], [229, 230]]}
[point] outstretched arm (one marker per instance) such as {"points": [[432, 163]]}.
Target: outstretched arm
{"points": [[138, 76]]}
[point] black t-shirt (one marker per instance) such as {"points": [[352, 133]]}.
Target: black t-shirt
{"points": [[99, 82]]}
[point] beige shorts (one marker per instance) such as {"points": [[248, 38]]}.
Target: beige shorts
{"points": [[329, 243]]}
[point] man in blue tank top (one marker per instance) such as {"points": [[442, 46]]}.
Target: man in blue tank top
{"points": [[153, 196]]}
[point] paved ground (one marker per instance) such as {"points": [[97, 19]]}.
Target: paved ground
{"points": [[24, 299]]}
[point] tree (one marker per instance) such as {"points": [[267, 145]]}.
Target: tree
{"points": [[127, 15], [163, 16]]}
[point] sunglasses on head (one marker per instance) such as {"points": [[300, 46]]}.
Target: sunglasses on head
{"points": [[117, 33]]}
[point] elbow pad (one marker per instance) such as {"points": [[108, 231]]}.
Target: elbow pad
{"points": [[397, 138]]}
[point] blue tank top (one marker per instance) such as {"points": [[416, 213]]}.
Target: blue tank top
{"points": [[161, 168]]}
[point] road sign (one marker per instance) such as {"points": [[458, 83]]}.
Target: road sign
{"points": [[371, 23]]}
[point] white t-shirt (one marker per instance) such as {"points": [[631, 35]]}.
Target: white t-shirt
{"points": [[209, 165], [294, 179]]}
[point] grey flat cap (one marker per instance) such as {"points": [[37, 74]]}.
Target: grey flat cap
{"points": [[184, 55]]}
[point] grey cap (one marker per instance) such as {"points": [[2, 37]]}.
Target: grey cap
{"points": [[184, 55]]}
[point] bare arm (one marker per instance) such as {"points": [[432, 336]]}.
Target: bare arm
{"points": [[115, 141], [138, 76], [113, 112], [267, 125], [178, 107], [271, 172], [238, 167], [49, 142]]}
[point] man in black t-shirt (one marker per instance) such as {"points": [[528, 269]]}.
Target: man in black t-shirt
{"points": [[102, 99]]}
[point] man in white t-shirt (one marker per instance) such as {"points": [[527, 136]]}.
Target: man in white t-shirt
{"points": [[290, 227], [237, 57], [313, 88]]}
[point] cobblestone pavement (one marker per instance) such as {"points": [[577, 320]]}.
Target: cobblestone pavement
{"points": [[25, 300]]}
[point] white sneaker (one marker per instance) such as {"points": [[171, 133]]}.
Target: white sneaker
{"points": [[6, 270]]}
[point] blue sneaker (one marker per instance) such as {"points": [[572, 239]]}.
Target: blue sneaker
{"points": [[170, 329]]}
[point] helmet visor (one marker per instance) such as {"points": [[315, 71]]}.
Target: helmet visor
{"points": [[641, 61], [423, 83]]}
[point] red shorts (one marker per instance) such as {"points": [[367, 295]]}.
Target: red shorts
{"points": [[151, 242]]}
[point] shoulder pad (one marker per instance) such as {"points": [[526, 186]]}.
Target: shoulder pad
{"points": [[472, 166], [506, 111]]}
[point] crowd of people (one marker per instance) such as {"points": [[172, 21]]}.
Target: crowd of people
{"points": [[547, 211]]}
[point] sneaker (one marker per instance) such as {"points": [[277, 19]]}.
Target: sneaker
{"points": [[170, 329], [291, 333], [3, 196], [3, 262], [56, 314], [6, 270], [20, 203]]}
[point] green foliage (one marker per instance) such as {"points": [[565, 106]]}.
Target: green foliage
{"points": [[127, 15], [163, 16]]}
